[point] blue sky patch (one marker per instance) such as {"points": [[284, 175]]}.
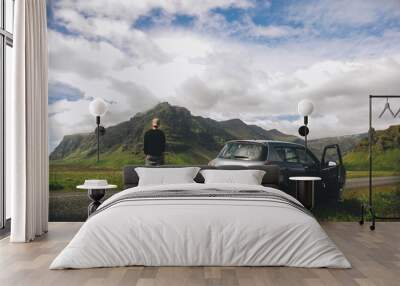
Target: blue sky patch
{"points": [[288, 117], [62, 91], [148, 21], [183, 20], [53, 24], [230, 14]]}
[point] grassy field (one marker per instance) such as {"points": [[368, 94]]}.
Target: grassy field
{"points": [[66, 203], [69, 204], [64, 178], [363, 174], [116, 159], [386, 200], [382, 160]]}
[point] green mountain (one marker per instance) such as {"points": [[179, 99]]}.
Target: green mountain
{"points": [[347, 143], [190, 139], [240, 130], [386, 151]]}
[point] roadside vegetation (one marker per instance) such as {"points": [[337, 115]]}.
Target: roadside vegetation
{"points": [[386, 200], [364, 174]]}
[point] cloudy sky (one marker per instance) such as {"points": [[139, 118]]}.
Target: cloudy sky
{"points": [[248, 59]]}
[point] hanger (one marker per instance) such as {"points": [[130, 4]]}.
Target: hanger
{"points": [[397, 113], [387, 107]]}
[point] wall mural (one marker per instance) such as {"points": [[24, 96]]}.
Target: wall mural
{"points": [[214, 71]]}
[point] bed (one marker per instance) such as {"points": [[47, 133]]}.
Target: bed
{"points": [[201, 224]]}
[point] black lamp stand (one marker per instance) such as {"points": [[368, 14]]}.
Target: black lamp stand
{"points": [[303, 131], [98, 137], [305, 134]]}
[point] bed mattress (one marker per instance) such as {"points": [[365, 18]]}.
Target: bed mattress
{"points": [[201, 225]]}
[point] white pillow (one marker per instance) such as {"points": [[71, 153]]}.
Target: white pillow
{"points": [[166, 176], [248, 177]]}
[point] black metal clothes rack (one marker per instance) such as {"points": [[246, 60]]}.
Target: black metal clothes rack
{"points": [[365, 207]]}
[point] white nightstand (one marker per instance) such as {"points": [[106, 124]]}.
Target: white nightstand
{"points": [[305, 188], [96, 191]]}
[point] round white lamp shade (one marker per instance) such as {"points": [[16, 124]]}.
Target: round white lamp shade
{"points": [[305, 107], [98, 107]]}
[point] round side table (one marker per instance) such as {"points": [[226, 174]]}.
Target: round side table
{"points": [[305, 188], [95, 194]]}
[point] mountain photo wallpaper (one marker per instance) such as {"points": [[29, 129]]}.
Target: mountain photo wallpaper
{"points": [[219, 70]]}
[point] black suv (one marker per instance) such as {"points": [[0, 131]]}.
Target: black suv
{"points": [[291, 159]]}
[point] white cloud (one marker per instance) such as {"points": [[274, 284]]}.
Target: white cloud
{"points": [[331, 15], [273, 31]]}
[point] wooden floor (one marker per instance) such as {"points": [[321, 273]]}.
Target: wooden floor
{"points": [[375, 257]]}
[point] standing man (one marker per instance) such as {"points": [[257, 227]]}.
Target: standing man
{"points": [[154, 144]]}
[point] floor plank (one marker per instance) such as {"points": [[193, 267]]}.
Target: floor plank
{"points": [[375, 257]]}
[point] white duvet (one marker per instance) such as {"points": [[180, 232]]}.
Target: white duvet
{"points": [[200, 231]]}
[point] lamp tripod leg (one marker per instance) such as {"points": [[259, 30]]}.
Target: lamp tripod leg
{"points": [[372, 226], [361, 222]]}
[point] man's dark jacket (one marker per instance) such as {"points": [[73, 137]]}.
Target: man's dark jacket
{"points": [[154, 142]]}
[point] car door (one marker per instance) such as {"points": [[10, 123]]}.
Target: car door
{"points": [[333, 172], [310, 163], [287, 158], [292, 160], [312, 168]]}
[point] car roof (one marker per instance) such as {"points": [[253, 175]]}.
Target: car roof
{"points": [[265, 142]]}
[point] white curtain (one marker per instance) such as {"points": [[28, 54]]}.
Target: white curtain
{"points": [[28, 153]]}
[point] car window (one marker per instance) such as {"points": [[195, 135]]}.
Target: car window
{"points": [[281, 154], [291, 155], [332, 155], [287, 154], [302, 159], [244, 151]]}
